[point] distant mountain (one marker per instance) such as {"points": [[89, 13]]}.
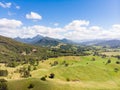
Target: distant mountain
{"points": [[47, 41], [67, 41], [110, 43], [44, 41], [29, 40], [92, 42]]}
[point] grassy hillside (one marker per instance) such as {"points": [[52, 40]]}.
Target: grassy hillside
{"points": [[11, 50], [73, 73]]}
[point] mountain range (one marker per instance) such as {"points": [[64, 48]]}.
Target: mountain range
{"points": [[44, 41], [113, 43], [47, 41]]}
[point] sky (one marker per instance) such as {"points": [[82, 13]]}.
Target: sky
{"points": [[71, 19]]}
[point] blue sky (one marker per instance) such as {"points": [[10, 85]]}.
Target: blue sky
{"points": [[55, 15]]}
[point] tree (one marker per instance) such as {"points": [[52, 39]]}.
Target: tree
{"points": [[29, 68], [43, 78], [93, 59], [109, 61], [117, 62], [24, 72], [3, 72], [30, 86], [3, 85], [52, 75], [32, 61], [116, 69]]}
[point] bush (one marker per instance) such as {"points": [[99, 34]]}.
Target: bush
{"points": [[3, 86], [24, 72], [109, 61], [117, 62], [29, 68], [116, 69], [30, 86], [34, 68], [12, 64], [93, 59], [3, 72], [52, 75], [67, 79], [43, 78], [55, 63], [63, 62], [3, 80], [66, 65]]}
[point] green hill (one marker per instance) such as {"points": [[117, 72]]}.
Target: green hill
{"points": [[11, 50], [73, 73]]}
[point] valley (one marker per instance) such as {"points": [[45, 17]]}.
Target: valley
{"points": [[66, 66], [59, 44]]}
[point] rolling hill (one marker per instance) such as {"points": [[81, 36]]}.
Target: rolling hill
{"points": [[72, 73], [14, 50]]}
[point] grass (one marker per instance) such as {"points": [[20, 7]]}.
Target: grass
{"points": [[82, 72], [60, 85], [111, 53]]}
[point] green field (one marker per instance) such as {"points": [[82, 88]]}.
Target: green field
{"points": [[72, 73]]}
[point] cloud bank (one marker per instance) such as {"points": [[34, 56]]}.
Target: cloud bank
{"points": [[75, 30]]}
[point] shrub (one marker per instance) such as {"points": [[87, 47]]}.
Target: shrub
{"points": [[109, 61], [55, 63], [3, 80], [93, 59], [67, 79], [3, 86], [116, 69], [52, 75], [43, 78], [29, 68], [12, 64], [30, 86], [104, 56], [63, 62], [24, 72], [66, 64], [34, 68], [117, 62], [3, 72]]}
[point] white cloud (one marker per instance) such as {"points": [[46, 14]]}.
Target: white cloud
{"points": [[95, 28], [34, 16], [11, 13], [116, 26], [5, 5], [77, 25], [31, 31], [9, 23], [76, 30], [56, 24], [17, 7], [10, 27]]}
